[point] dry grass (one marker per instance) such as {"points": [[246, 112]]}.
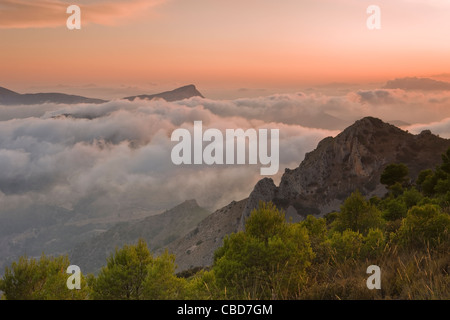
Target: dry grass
{"points": [[405, 275]]}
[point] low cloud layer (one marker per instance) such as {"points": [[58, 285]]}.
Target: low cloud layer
{"points": [[441, 128], [434, 3], [120, 160], [414, 83], [398, 104], [115, 158]]}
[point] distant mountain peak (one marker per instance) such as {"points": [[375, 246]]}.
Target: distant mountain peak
{"points": [[187, 87], [372, 121], [191, 202], [185, 92], [369, 125], [415, 83], [185, 206], [5, 92], [8, 97]]}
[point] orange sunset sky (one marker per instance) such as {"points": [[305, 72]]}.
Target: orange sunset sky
{"points": [[220, 45]]}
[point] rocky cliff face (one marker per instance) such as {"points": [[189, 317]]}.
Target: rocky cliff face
{"points": [[352, 160], [185, 92]]}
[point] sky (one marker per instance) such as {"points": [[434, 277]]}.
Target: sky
{"points": [[223, 47], [308, 68]]}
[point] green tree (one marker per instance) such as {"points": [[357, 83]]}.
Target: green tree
{"points": [[266, 222], [412, 197], [373, 244], [20, 280], [317, 231], [394, 209], [446, 161], [427, 182], [438, 181], [394, 173], [424, 225], [124, 274], [358, 215], [267, 260], [161, 283], [346, 245], [203, 286], [43, 279], [443, 184]]}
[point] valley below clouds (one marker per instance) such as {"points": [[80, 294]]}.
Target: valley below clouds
{"points": [[76, 165]]}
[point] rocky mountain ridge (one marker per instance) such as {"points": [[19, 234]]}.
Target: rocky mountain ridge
{"points": [[8, 97], [352, 160], [181, 93]]}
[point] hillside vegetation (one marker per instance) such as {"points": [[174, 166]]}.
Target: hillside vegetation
{"points": [[405, 233]]}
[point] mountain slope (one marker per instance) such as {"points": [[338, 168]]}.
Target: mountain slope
{"points": [[8, 97], [197, 247], [7, 93], [414, 83], [352, 160], [185, 92], [158, 231]]}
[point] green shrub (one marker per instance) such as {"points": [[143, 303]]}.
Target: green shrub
{"points": [[424, 225], [268, 260], [358, 215]]}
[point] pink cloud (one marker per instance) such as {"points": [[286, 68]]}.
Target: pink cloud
{"points": [[52, 13]]}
